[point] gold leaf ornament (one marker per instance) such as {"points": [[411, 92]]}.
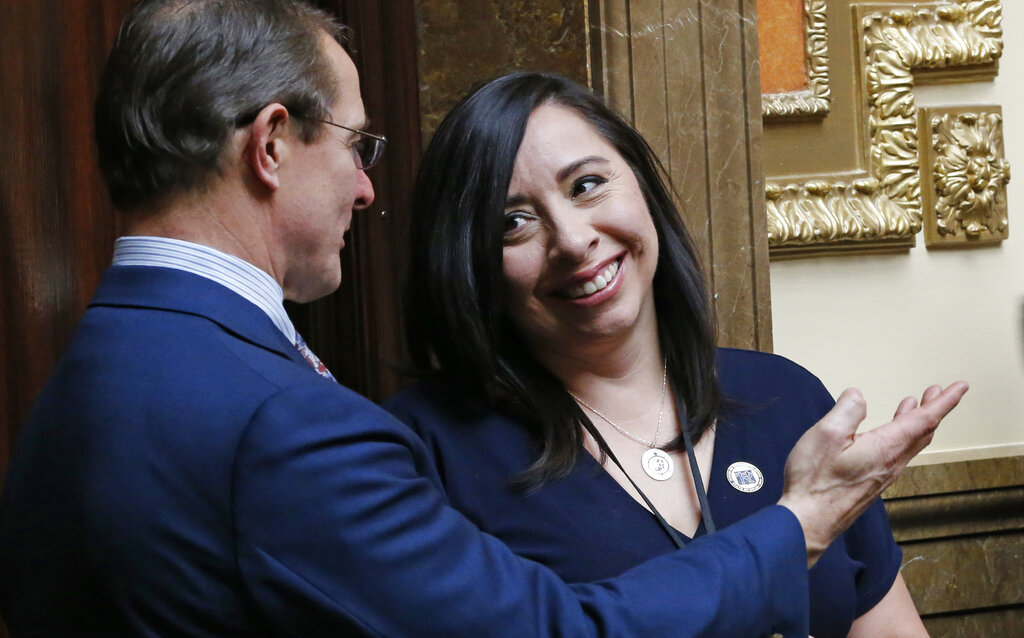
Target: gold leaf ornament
{"points": [[970, 175]]}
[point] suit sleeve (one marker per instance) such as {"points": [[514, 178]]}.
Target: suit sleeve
{"points": [[340, 531]]}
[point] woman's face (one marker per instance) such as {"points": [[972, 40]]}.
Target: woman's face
{"points": [[580, 248]]}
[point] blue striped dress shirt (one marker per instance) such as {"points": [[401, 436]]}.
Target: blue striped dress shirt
{"points": [[231, 272]]}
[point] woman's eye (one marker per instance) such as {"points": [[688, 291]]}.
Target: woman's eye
{"points": [[514, 221], [586, 184]]}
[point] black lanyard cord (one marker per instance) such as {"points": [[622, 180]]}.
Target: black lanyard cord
{"points": [[705, 509], [702, 496]]}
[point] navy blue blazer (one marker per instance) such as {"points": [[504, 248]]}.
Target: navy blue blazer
{"points": [[186, 473]]}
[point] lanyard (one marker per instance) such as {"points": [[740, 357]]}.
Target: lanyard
{"points": [[702, 497]]}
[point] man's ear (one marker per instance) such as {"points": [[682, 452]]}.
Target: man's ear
{"points": [[267, 146]]}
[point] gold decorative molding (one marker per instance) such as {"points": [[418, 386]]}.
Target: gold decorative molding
{"points": [[965, 172], [816, 99], [882, 207], [823, 212]]}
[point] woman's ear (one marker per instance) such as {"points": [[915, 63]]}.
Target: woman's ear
{"points": [[267, 146]]}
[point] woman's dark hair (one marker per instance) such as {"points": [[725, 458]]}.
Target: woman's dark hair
{"points": [[456, 320], [184, 73]]}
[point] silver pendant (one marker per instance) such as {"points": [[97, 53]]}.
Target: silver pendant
{"points": [[745, 477], [657, 464]]}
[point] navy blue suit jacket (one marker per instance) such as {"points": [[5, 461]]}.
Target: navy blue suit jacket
{"points": [[186, 473]]}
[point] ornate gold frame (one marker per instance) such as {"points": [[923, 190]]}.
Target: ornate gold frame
{"points": [[816, 99], [882, 206]]}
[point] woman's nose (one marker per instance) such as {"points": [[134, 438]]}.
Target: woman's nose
{"points": [[574, 235]]}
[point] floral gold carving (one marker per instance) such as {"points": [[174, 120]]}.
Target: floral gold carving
{"points": [[815, 100], [965, 176], [884, 206]]}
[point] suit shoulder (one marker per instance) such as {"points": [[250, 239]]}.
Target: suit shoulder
{"points": [[330, 402]]}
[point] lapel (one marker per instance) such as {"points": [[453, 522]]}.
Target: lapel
{"points": [[179, 291]]}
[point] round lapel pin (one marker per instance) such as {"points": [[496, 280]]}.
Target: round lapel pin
{"points": [[745, 477]]}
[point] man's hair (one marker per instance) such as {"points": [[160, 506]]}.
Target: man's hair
{"points": [[184, 74], [457, 323]]}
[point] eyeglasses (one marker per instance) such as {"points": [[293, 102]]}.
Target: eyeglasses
{"points": [[368, 148]]}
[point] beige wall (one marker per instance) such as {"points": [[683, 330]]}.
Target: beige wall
{"points": [[893, 324]]}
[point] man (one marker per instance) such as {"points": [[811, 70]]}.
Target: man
{"points": [[186, 471]]}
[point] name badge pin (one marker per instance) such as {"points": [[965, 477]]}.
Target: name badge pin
{"points": [[745, 477]]}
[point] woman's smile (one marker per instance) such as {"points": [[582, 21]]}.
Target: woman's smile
{"points": [[603, 280], [580, 246]]}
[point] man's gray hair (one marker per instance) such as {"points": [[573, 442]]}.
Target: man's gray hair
{"points": [[184, 74]]}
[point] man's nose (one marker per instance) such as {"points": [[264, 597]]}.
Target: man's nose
{"points": [[364, 191]]}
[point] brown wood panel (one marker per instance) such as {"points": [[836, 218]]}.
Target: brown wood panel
{"points": [[991, 622], [950, 515], [757, 242], [968, 573], [56, 225], [357, 330], [686, 158], [731, 132], [609, 24], [961, 476], [691, 68], [650, 98], [961, 527], [463, 43]]}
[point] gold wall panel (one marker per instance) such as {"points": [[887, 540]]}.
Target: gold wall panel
{"points": [[814, 101], [876, 201], [964, 176]]}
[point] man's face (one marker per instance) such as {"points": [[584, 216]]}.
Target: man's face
{"points": [[321, 184]]}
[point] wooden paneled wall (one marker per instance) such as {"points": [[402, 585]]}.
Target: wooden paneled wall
{"points": [[357, 330], [56, 224], [686, 72], [961, 527], [463, 43]]}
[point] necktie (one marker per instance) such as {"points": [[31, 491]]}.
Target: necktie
{"points": [[313, 360]]}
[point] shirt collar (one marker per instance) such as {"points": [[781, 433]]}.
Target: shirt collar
{"points": [[236, 274]]}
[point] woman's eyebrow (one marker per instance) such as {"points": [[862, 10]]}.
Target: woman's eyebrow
{"points": [[517, 199], [575, 166]]}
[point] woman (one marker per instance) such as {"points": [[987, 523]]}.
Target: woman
{"points": [[579, 409]]}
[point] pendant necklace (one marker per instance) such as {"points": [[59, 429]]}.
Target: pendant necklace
{"points": [[655, 462]]}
